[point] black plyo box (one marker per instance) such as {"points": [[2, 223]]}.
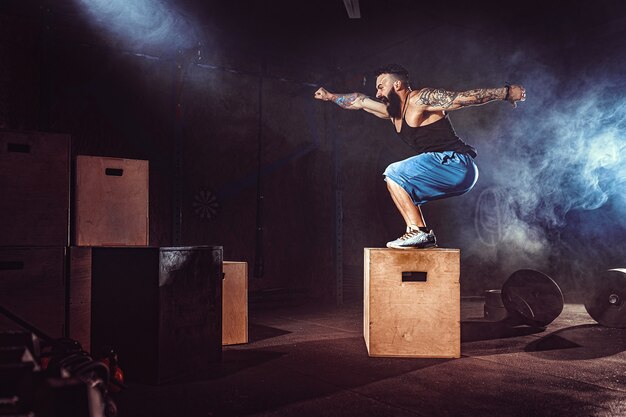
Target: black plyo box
{"points": [[159, 308]]}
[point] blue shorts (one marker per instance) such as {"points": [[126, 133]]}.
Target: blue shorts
{"points": [[434, 175]]}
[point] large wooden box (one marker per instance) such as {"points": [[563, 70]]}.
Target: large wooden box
{"points": [[235, 303], [412, 303], [34, 189], [32, 286], [111, 204], [159, 308]]}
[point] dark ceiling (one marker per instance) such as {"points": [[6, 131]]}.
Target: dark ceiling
{"points": [[309, 31], [312, 18]]}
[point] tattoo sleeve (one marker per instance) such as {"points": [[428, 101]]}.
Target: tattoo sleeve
{"points": [[436, 97], [448, 99], [347, 101]]}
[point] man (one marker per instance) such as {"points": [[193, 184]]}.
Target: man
{"points": [[443, 165]]}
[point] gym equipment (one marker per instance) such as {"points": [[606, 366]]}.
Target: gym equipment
{"points": [[53, 378], [606, 303], [109, 357], [412, 303], [32, 287], [531, 298], [235, 303], [35, 189], [161, 308], [111, 202], [494, 310]]}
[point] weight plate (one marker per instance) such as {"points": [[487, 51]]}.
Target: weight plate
{"points": [[607, 299], [495, 313], [493, 298], [532, 297]]}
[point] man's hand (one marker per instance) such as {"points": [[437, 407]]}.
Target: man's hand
{"points": [[516, 93], [322, 94]]}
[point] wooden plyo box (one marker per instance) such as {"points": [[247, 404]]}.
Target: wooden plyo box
{"points": [[412, 303], [34, 189], [32, 286], [111, 202], [235, 303], [79, 296]]}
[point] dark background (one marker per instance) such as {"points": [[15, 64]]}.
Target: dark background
{"points": [[214, 93]]}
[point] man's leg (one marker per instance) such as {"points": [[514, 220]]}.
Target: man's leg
{"points": [[411, 213], [416, 236]]}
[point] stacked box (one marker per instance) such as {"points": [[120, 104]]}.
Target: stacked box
{"points": [[32, 287], [111, 202], [34, 229], [35, 189]]}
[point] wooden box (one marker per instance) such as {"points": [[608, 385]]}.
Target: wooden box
{"points": [[412, 303], [79, 296], [235, 303], [34, 189], [32, 286], [159, 308], [111, 204]]}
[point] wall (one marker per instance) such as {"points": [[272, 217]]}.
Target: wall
{"points": [[210, 124]]}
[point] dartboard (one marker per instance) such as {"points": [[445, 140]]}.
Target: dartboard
{"points": [[205, 204]]}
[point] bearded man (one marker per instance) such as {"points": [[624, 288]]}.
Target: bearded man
{"points": [[443, 165]]}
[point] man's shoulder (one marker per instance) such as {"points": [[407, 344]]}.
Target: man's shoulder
{"points": [[416, 96]]}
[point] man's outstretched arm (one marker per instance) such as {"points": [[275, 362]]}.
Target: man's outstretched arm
{"points": [[354, 101], [434, 99]]}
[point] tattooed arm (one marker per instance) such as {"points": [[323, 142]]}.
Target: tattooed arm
{"points": [[433, 99], [354, 101]]}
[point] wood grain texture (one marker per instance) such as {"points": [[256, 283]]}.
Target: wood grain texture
{"points": [[111, 210], [412, 319], [35, 189], [79, 306], [32, 286], [235, 303]]}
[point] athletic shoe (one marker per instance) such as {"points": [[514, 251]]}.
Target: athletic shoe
{"points": [[414, 239]]}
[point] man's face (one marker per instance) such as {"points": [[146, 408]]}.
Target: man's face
{"points": [[386, 93], [384, 88]]}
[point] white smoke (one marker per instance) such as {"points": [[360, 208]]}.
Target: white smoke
{"points": [[560, 152]]}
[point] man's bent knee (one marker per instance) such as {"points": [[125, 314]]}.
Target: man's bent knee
{"points": [[391, 182], [391, 169]]}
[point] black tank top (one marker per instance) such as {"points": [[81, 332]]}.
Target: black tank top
{"points": [[435, 137]]}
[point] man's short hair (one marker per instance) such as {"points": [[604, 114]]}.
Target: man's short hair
{"points": [[398, 70]]}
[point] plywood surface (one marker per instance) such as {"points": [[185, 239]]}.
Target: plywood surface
{"points": [[34, 189], [111, 202], [235, 303], [32, 286], [412, 319], [79, 306]]}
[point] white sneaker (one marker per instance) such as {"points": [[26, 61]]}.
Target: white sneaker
{"points": [[414, 239]]}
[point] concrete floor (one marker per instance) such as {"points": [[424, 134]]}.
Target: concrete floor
{"points": [[312, 361]]}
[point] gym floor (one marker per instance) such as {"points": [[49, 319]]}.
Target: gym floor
{"points": [[312, 361]]}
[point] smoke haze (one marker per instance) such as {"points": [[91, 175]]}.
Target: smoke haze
{"points": [[142, 24], [554, 160]]}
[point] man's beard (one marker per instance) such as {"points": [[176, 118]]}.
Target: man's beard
{"points": [[394, 104]]}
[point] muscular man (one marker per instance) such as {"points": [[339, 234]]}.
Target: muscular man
{"points": [[443, 165]]}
